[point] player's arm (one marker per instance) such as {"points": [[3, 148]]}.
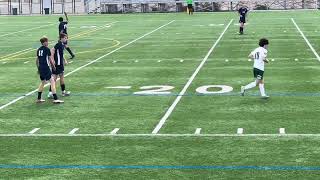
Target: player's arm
{"points": [[67, 19], [37, 63], [251, 55], [53, 64], [65, 61], [265, 58]]}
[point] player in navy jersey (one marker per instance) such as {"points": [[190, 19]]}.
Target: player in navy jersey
{"points": [[243, 13], [63, 28], [44, 64], [60, 61]]}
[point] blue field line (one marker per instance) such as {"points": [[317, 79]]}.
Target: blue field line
{"points": [[276, 94], [268, 168]]}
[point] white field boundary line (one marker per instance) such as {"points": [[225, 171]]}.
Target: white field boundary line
{"points": [[183, 91], [91, 62], [160, 135], [16, 32], [305, 38]]}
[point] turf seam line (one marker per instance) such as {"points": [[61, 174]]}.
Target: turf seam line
{"points": [[183, 91], [305, 38], [91, 62], [161, 135]]}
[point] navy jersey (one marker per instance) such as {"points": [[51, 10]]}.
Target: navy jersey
{"points": [[43, 54], [58, 54], [243, 11], [63, 26]]}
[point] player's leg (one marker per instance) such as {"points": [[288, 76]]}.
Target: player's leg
{"points": [[63, 86], [40, 90], [69, 50], [241, 27], [252, 84], [54, 91], [50, 94]]}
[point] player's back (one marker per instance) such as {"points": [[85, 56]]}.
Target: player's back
{"points": [[58, 54], [63, 26], [43, 55], [259, 55]]}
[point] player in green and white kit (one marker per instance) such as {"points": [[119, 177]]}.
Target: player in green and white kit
{"points": [[259, 55], [190, 6]]}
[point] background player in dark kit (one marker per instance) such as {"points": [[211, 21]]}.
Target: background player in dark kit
{"points": [[63, 28], [243, 14]]}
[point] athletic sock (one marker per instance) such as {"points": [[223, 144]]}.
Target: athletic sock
{"points": [[55, 97], [250, 85], [63, 87], [262, 91], [241, 29], [70, 52], [39, 95]]}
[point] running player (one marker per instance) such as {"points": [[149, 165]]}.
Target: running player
{"points": [[60, 61], [190, 6], [259, 55], [44, 62], [63, 28], [243, 13]]}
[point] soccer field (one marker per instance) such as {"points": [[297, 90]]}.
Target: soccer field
{"points": [[157, 96]]}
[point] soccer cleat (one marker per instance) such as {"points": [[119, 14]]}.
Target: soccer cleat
{"points": [[57, 101], [72, 57], [243, 90], [66, 93], [265, 97], [40, 101]]}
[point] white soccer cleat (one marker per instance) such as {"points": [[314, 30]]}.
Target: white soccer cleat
{"points": [[265, 97], [243, 90], [40, 101], [66, 93], [58, 101]]}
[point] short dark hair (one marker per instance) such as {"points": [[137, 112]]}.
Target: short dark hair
{"points": [[263, 42], [62, 35], [60, 19], [43, 40]]}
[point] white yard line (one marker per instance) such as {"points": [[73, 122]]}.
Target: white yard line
{"points": [[16, 32], [176, 101], [91, 62], [115, 131], [34, 130], [305, 38], [160, 135], [198, 131], [73, 131]]}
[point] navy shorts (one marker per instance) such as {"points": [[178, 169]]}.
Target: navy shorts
{"points": [[58, 70], [45, 75], [258, 74], [242, 20]]}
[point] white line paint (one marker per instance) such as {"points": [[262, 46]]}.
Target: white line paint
{"points": [[198, 131], [26, 62], [91, 62], [240, 131], [3, 35], [282, 131], [119, 87], [307, 41], [73, 131], [34, 130], [4, 62], [13, 54], [115, 131], [176, 101], [161, 135]]}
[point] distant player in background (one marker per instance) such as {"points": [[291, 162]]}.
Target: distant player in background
{"points": [[259, 55], [190, 7], [44, 64], [60, 61], [243, 14], [63, 29]]}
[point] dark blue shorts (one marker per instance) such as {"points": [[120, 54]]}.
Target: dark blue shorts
{"points": [[45, 75], [58, 70], [242, 20]]}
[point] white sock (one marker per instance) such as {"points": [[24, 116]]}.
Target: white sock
{"points": [[261, 87], [250, 85]]}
